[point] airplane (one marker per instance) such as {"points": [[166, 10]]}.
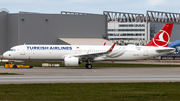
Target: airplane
{"points": [[73, 55]]}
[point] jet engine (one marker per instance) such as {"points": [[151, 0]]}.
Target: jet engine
{"points": [[71, 61]]}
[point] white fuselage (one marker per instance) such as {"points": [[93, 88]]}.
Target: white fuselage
{"points": [[59, 52]]}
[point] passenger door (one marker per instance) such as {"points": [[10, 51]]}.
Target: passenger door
{"points": [[145, 52], [22, 51]]}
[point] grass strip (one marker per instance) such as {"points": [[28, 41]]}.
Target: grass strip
{"points": [[10, 74], [98, 64], [91, 92]]}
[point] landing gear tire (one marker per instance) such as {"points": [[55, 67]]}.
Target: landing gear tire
{"points": [[86, 65], [14, 66], [89, 66]]}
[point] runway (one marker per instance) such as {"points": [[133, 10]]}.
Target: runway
{"points": [[95, 75], [88, 79]]}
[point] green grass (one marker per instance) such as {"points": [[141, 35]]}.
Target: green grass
{"points": [[98, 64], [95, 64], [91, 92], [10, 74]]}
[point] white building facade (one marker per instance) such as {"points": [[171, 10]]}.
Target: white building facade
{"points": [[139, 29], [126, 31]]}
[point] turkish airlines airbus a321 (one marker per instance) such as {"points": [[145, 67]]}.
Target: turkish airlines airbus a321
{"points": [[73, 55]]}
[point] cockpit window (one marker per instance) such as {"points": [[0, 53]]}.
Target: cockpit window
{"points": [[12, 50]]}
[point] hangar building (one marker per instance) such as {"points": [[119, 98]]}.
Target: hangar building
{"points": [[35, 28]]}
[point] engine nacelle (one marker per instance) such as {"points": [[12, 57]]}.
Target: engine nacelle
{"points": [[71, 61]]}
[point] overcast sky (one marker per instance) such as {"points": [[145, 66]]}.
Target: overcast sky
{"points": [[90, 6]]}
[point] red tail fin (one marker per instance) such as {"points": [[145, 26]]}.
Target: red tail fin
{"points": [[162, 37]]}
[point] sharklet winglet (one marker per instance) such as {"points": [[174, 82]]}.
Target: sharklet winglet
{"points": [[112, 47]]}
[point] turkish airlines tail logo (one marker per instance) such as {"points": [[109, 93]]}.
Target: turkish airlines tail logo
{"points": [[162, 37]]}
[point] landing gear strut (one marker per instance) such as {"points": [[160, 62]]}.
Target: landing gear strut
{"points": [[88, 65]]}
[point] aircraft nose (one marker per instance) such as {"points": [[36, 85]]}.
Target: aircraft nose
{"points": [[6, 55]]}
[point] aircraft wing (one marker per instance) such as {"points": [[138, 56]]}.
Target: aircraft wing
{"points": [[93, 55]]}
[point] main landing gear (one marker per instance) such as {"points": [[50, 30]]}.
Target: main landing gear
{"points": [[88, 65]]}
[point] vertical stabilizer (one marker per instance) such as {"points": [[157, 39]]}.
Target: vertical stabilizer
{"points": [[162, 38]]}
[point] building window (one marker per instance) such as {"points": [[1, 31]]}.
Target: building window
{"points": [[110, 34], [126, 29], [126, 34], [132, 25], [126, 38]]}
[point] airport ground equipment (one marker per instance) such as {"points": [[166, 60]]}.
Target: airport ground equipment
{"points": [[11, 65]]}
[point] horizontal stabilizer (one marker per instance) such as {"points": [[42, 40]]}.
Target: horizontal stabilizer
{"points": [[165, 50]]}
